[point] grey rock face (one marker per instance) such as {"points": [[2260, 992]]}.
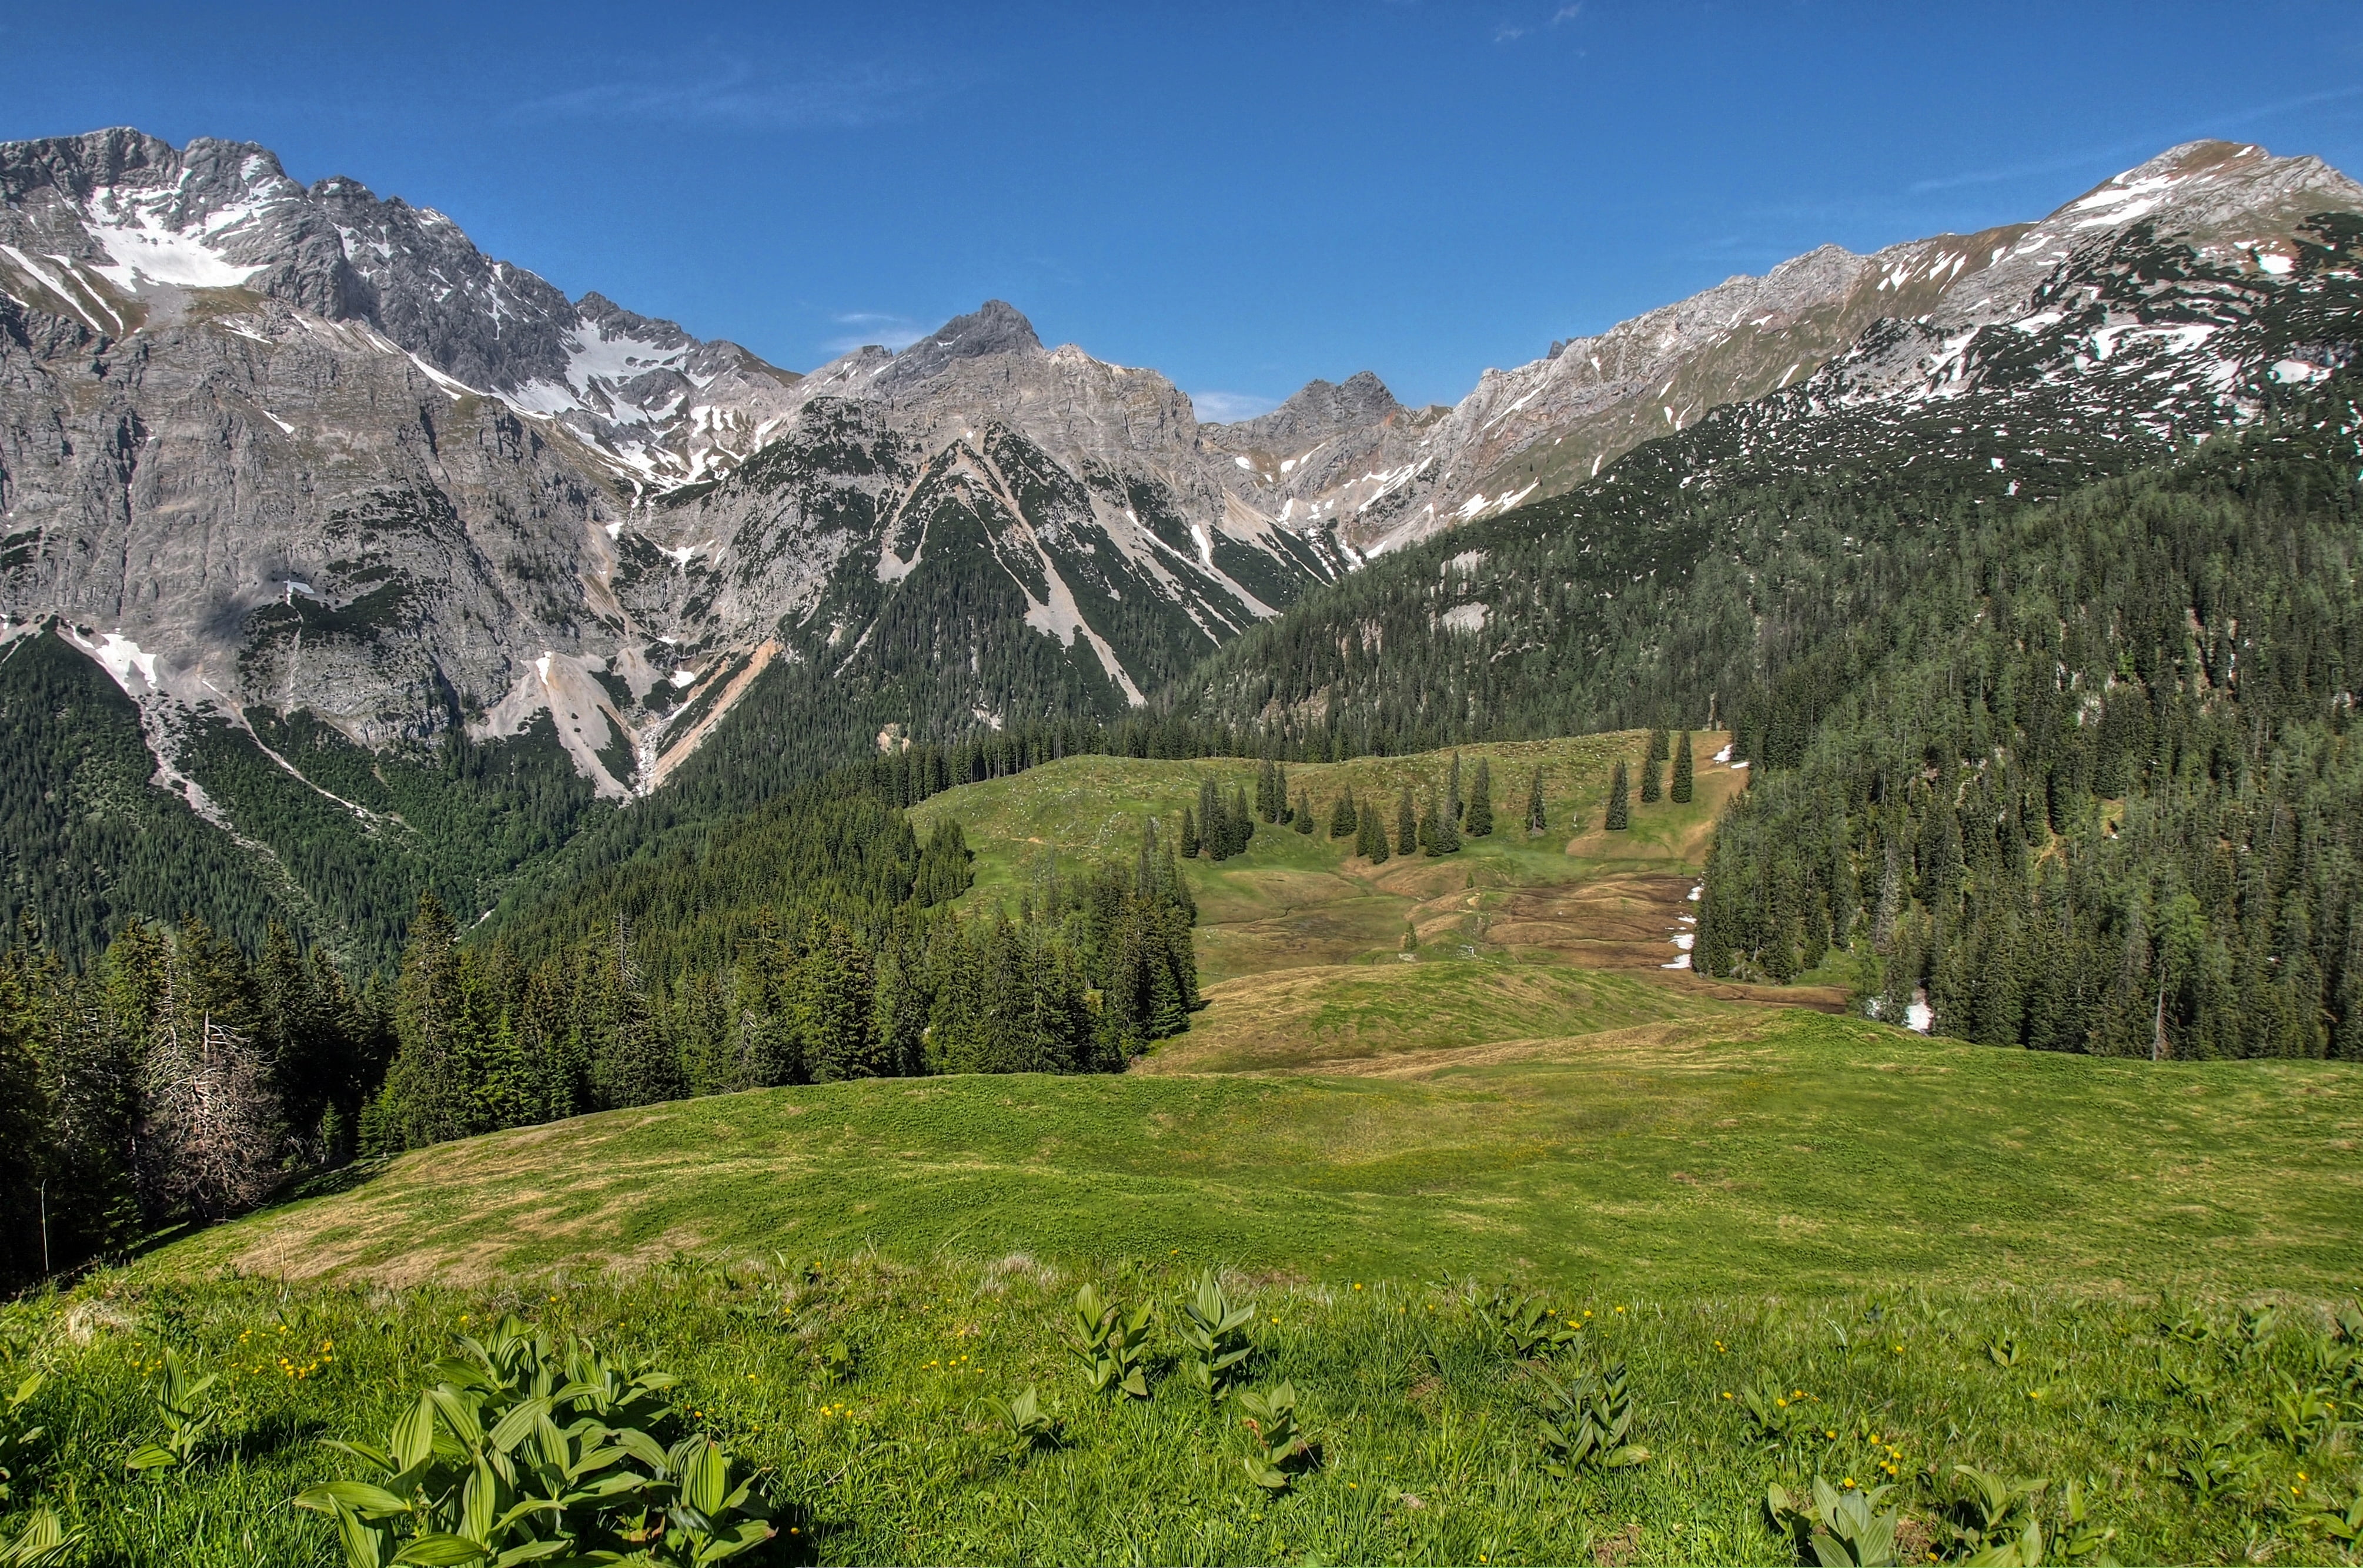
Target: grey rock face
{"points": [[265, 444], [1546, 427]]}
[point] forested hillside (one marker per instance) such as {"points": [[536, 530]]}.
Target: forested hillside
{"points": [[2092, 779]]}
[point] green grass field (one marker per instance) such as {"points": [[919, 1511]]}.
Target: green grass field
{"points": [[1411, 1085]]}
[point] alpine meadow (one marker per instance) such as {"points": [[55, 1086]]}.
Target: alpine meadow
{"points": [[1745, 947]]}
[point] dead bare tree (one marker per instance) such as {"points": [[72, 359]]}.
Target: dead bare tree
{"points": [[210, 1133]]}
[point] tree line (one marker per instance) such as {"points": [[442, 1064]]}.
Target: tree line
{"points": [[178, 1080], [2094, 787]]}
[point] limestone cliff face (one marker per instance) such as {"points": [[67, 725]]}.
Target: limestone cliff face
{"points": [[265, 445]]}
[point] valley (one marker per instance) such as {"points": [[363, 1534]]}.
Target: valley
{"points": [[921, 904]]}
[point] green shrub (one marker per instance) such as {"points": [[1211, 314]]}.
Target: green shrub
{"points": [[515, 1455], [1283, 1449], [1834, 1528], [1028, 1424], [188, 1417], [1212, 1331], [1586, 1419], [1111, 1343]]}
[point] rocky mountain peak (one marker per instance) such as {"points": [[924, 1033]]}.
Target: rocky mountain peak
{"points": [[994, 328], [1322, 408]]}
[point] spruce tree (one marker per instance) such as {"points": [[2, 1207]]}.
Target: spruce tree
{"points": [[1279, 793], [1537, 820], [1656, 746], [1342, 819], [1681, 794], [1302, 819], [1650, 788], [1213, 838], [1448, 834], [1406, 823], [1373, 840], [1241, 824], [1429, 826], [1189, 834], [1452, 804], [1479, 819], [1267, 805], [1619, 812]]}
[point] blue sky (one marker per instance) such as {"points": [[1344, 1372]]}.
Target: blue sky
{"points": [[1245, 197]]}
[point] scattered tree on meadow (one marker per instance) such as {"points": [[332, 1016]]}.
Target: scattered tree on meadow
{"points": [[1681, 793], [1619, 812], [1480, 818], [1342, 819]]}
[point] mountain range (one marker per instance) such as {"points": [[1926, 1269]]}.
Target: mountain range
{"points": [[297, 463]]}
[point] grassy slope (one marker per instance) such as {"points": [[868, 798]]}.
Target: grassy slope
{"points": [[1734, 1149], [1737, 1192], [1296, 899]]}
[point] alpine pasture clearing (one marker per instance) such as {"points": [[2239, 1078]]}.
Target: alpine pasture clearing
{"points": [[1420, 1095]]}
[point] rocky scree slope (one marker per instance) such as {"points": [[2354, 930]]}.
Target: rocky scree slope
{"points": [[1386, 477], [272, 447], [269, 450], [1678, 585]]}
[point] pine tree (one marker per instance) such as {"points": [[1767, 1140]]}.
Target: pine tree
{"points": [[1619, 815], [1656, 746], [1342, 819], [1452, 803], [834, 986], [1303, 819], [632, 1063], [1681, 794], [1448, 834], [1650, 788], [1538, 822], [1479, 819], [1406, 824], [1241, 824], [427, 1090], [1267, 805], [1279, 793], [1429, 826], [1213, 834], [1189, 845]]}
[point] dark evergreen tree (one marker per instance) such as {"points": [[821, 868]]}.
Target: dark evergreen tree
{"points": [[1537, 820], [1619, 812], [1303, 819], [1652, 789], [1480, 818], [1406, 824], [1188, 835], [1683, 784], [1343, 821]]}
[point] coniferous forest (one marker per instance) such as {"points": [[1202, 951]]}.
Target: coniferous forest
{"points": [[2071, 771]]}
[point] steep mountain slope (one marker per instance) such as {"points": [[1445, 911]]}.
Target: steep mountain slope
{"points": [[321, 487], [306, 448], [1660, 589], [1542, 428]]}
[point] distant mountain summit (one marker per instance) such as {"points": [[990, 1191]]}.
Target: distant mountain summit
{"points": [[272, 448]]}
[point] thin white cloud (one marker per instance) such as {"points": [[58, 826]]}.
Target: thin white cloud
{"points": [[1227, 407], [734, 93], [1567, 13], [887, 330], [1506, 33], [2218, 124]]}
